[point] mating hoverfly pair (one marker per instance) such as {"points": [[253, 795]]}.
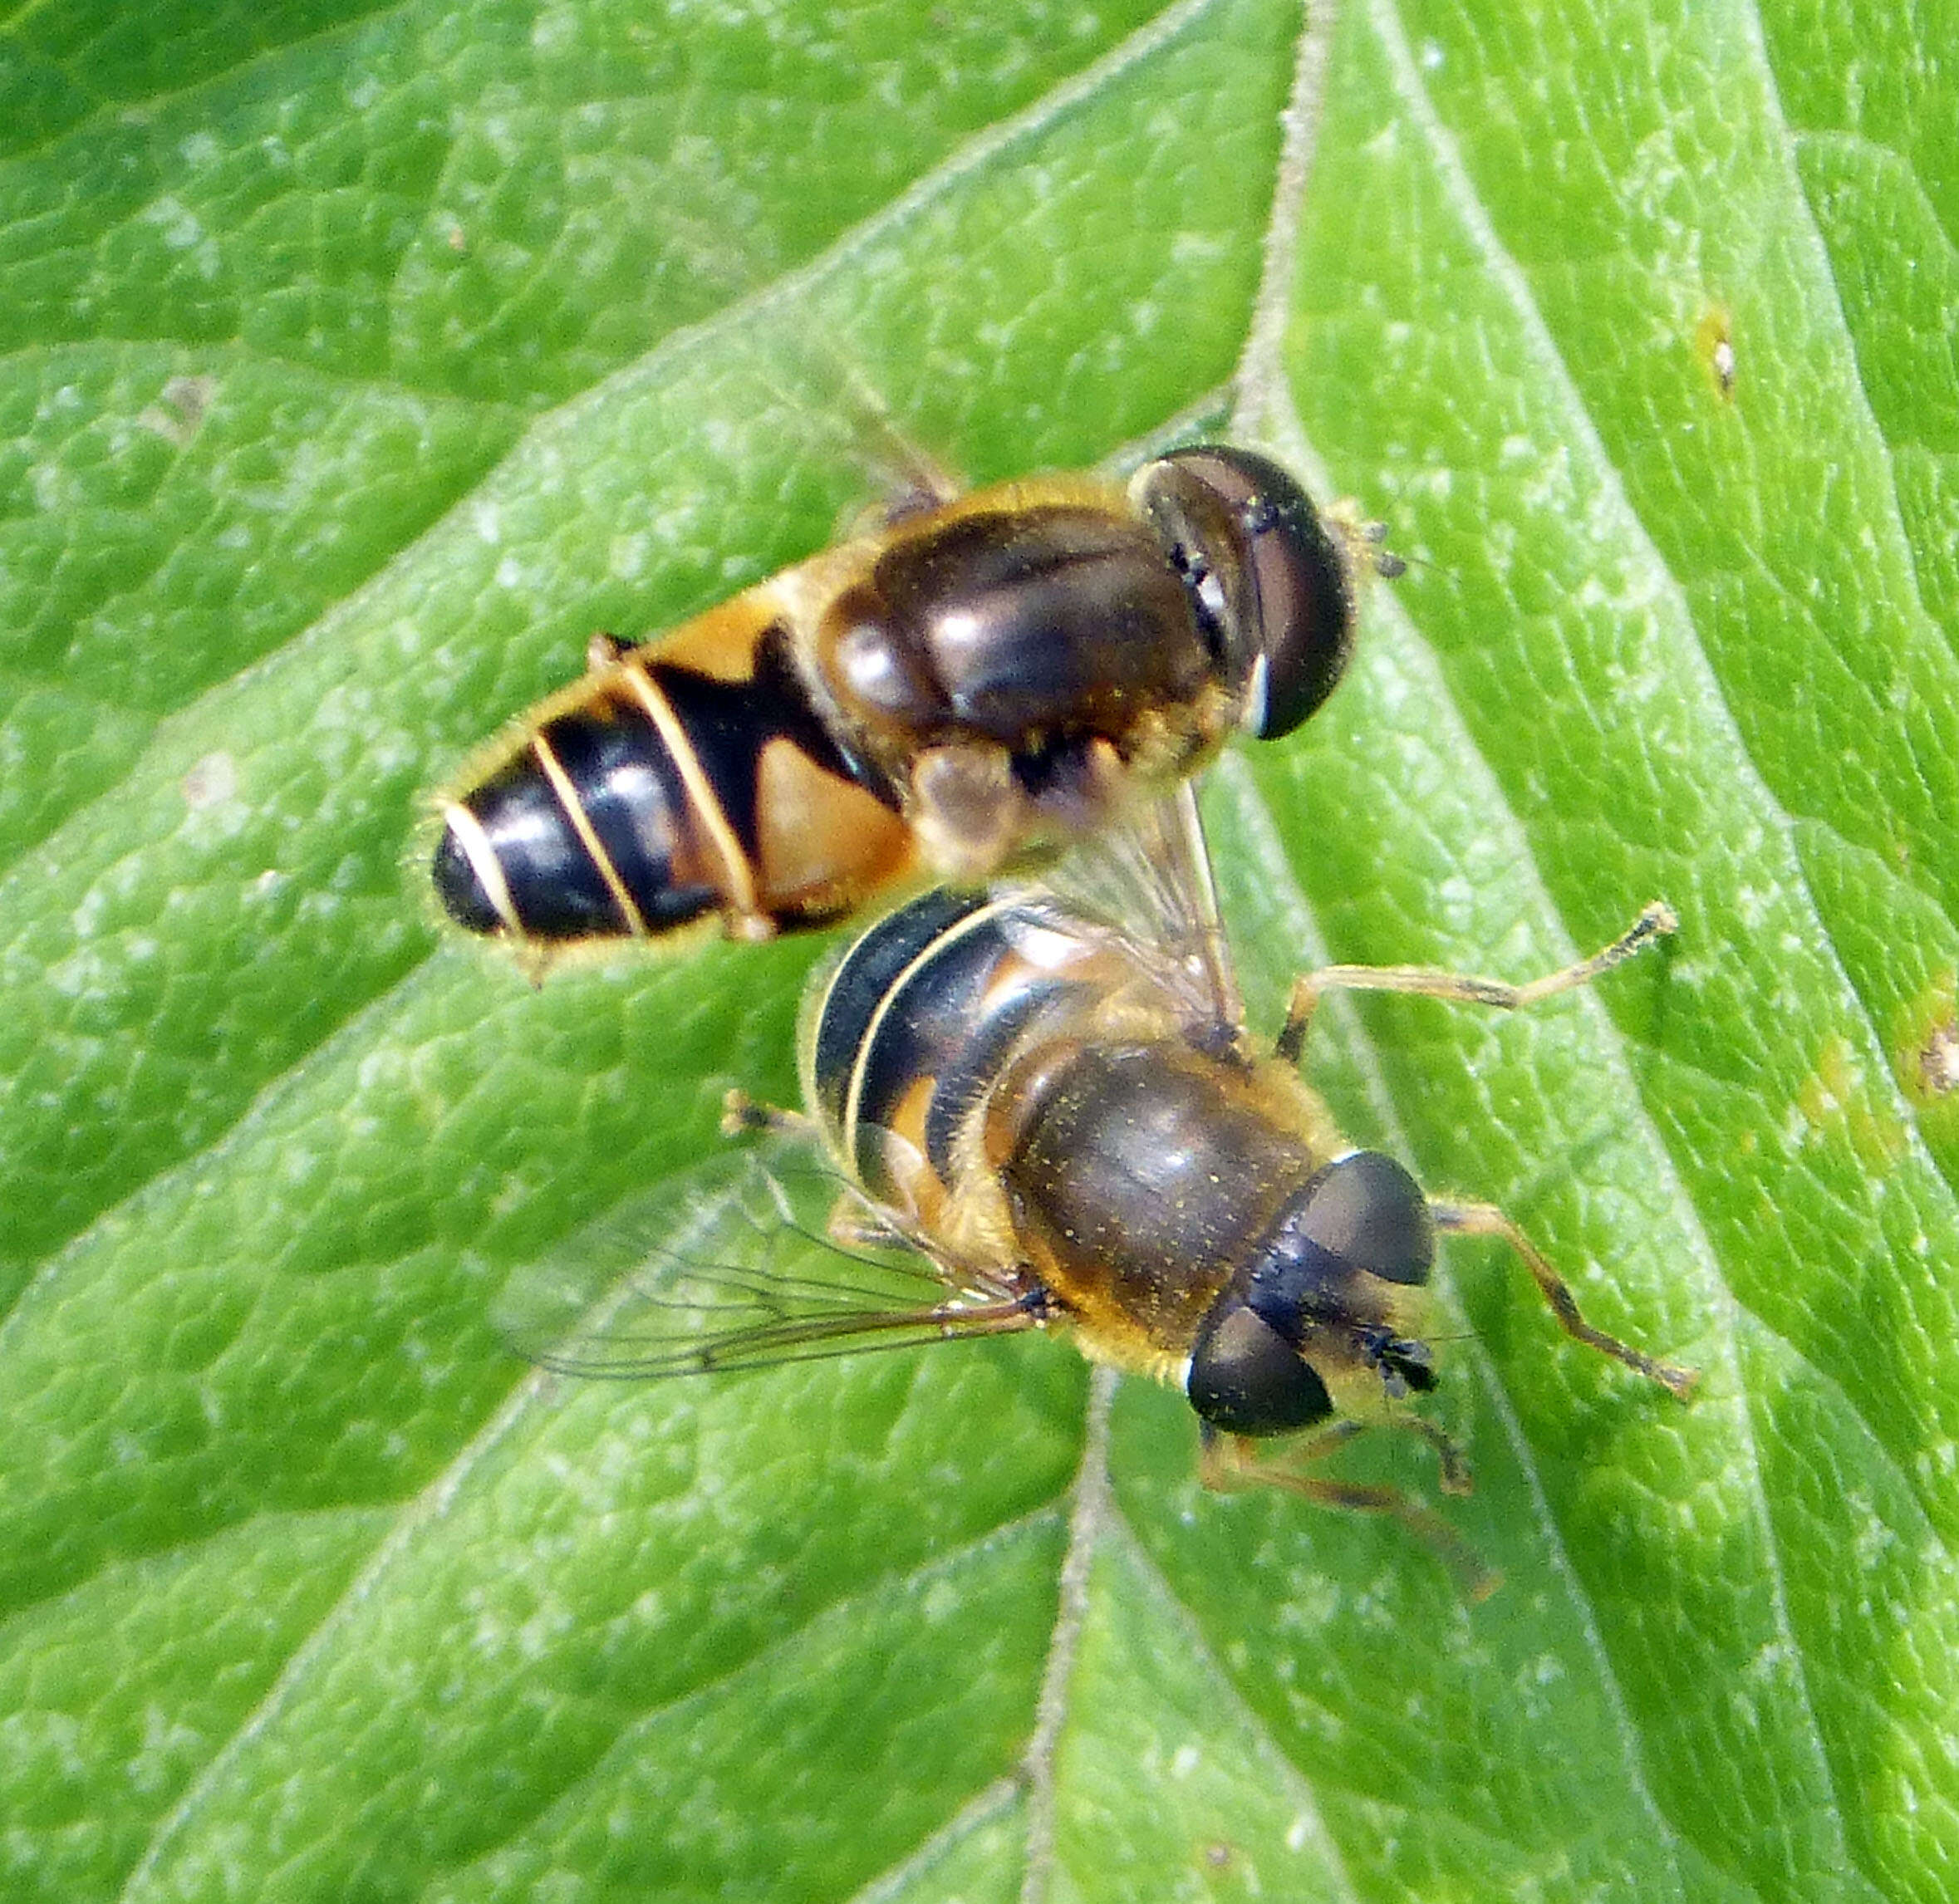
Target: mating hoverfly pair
{"points": [[1039, 1093]]}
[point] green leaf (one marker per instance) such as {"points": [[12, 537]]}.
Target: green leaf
{"points": [[358, 364]]}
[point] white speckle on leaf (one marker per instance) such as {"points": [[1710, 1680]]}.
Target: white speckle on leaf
{"points": [[1872, 1540], [85, 975], [627, 557], [1199, 248], [555, 30], [1550, 489], [183, 230], [1751, 905], [297, 1166], [180, 226], [212, 781], [538, 1636], [157, 1765], [383, 1070], [53, 1736], [1773, 1664]]}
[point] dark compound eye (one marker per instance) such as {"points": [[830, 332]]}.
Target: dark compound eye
{"points": [[1315, 1280], [1273, 584], [1246, 1379], [1366, 1210], [1363, 1216]]}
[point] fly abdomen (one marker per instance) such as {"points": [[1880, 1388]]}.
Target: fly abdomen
{"points": [[650, 795], [588, 830], [918, 1021]]}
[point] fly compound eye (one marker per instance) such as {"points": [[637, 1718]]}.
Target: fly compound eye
{"points": [[1271, 582], [1315, 1279], [1246, 1379], [1368, 1211]]}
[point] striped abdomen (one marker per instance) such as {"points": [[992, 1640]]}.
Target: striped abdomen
{"points": [[913, 1026], [650, 795], [925, 1046]]}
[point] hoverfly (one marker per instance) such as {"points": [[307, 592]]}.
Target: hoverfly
{"points": [[971, 682], [1039, 1118]]}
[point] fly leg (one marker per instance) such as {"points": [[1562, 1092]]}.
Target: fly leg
{"points": [[852, 1223], [968, 810], [1455, 1469], [741, 1114], [1457, 988], [1482, 1218], [1230, 1463], [854, 1226], [1486, 1219], [1455, 1477]]}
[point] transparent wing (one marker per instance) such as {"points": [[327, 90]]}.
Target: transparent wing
{"points": [[1149, 875], [805, 366], [732, 1266]]}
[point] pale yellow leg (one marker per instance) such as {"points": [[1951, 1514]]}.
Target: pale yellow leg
{"points": [[1230, 1463], [852, 1226], [1486, 1219], [1457, 987]]}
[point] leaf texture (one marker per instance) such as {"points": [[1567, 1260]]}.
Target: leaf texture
{"points": [[358, 362]]}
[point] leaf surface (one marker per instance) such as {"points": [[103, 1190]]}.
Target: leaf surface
{"points": [[358, 363]]}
